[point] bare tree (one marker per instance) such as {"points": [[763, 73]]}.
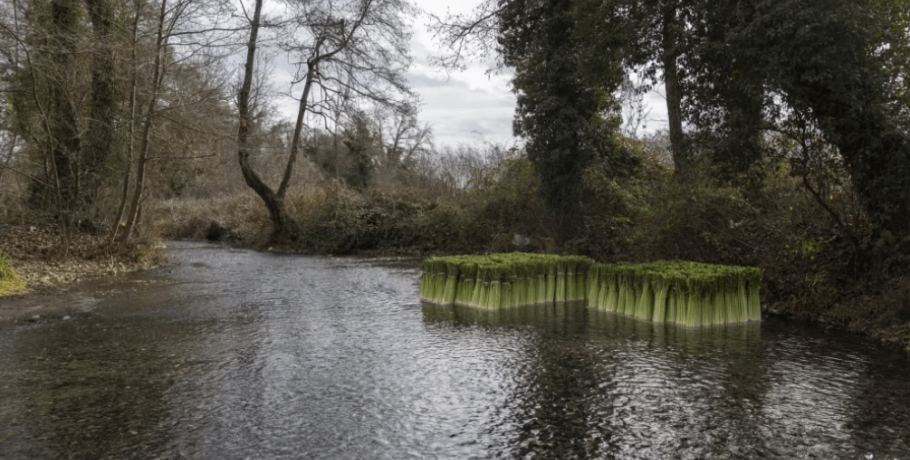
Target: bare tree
{"points": [[469, 36], [635, 112], [131, 124], [355, 50], [64, 122], [9, 65], [185, 30], [406, 137], [55, 130], [157, 74]]}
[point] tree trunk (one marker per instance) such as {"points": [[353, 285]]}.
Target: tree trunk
{"points": [[132, 123], [298, 126], [157, 77], [284, 229], [64, 126], [9, 155], [101, 124], [671, 81]]}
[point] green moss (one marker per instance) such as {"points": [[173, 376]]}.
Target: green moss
{"points": [[9, 280]]}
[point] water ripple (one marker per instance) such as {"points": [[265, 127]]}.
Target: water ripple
{"points": [[238, 354]]}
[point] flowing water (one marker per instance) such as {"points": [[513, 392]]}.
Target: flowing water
{"points": [[238, 354]]}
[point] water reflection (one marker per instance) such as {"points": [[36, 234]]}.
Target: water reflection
{"points": [[601, 385], [239, 354]]}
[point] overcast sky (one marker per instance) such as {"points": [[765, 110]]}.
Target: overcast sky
{"points": [[464, 107]]}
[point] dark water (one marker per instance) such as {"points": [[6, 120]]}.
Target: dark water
{"points": [[237, 354]]}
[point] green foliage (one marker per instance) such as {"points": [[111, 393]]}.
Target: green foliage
{"points": [[835, 66], [805, 247], [513, 201], [358, 138], [9, 280], [562, 105], [653, 216]]}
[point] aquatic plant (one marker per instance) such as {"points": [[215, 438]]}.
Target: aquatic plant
{"points": [[687, 293], [504, 280]]}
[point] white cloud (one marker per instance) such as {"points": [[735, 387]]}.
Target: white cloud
{"points": [[462, 105]]}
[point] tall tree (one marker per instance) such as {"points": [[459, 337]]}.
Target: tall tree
{"points": [[184, 30], [66, 141], [648, 37], [565, 100], [835, 65], [725, 98], [101, 127]]}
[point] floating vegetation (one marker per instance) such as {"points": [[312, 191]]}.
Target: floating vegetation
{"points": [[686, 293], [9, 280], [504, 280]]}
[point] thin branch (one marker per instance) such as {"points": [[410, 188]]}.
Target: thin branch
{"points": [[17, 171], [182, 158]]}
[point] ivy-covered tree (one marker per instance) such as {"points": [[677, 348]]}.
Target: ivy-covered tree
{"points": [[724, 94], [743, 68], [565, 98], [361, 145], [838, 65], [647, 37]]}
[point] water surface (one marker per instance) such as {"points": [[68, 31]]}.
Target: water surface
{"points": [[238, 354]]}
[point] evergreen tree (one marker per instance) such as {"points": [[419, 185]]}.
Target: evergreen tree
{"points": [[564, 102], [359, 139]]}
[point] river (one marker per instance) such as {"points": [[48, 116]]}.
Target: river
{"points": [[234, 354]]}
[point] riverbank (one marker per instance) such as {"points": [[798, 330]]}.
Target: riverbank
{"points": [[815, 269], [50, 296], [33, 245]]}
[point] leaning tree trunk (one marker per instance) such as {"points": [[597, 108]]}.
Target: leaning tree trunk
{"points": [[284, 229]]}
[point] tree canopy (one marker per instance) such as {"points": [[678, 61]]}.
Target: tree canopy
{"points": [[739, 73]]}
